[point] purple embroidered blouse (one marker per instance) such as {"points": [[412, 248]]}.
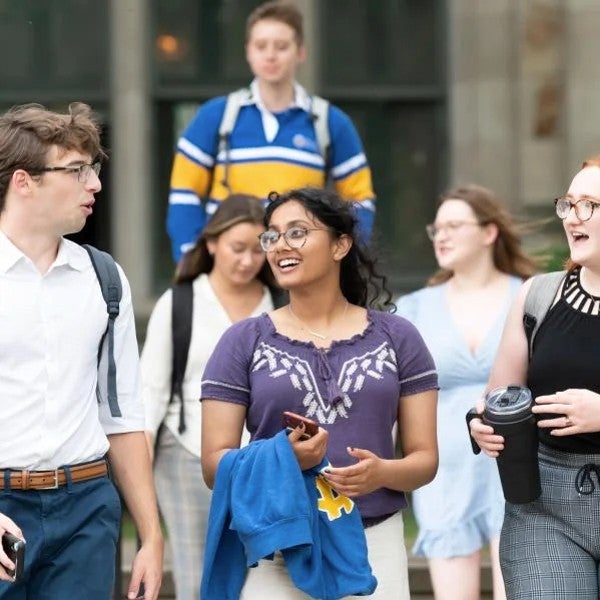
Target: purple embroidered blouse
{"points": [[352, 389]]}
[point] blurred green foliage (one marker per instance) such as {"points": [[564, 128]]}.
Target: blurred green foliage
{"points": [[553, 257]]}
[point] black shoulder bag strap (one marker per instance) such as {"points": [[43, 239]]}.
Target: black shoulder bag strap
{"points": [[181, 319], [110, 285], [181, 315]]}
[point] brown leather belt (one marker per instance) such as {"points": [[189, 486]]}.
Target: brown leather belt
{"points": [[50, 480]]}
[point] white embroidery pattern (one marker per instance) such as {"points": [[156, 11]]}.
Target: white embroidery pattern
{"points": [[353, 374], [355, 371]]}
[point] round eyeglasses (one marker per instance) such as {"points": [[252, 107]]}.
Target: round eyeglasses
{"points": [[584, 208], [295, 237], [83, 171], [451, 226]]}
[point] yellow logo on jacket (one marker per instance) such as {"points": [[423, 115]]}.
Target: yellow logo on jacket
{"points": [[330, 502]]}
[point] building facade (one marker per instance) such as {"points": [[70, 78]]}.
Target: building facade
{"points": [[498, 92]]}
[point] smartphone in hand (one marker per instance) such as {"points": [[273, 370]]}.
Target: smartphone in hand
{"points": [[292, 420], [14, 548]]}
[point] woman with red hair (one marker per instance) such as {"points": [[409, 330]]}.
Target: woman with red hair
{"points": [[549, 548]]}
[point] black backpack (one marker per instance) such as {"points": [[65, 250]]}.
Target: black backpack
{"points": [[181, 331]]}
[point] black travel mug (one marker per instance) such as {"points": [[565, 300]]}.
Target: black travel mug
{"points": [[508, 411]]}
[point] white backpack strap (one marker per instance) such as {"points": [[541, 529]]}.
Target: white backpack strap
{"points": [[232, 109], [320, 112]]}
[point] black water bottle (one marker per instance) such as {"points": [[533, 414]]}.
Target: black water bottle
{"points": [[508, 411]]}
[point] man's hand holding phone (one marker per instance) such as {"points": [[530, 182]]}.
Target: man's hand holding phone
{"points": [[12, 555], [308, 440]]}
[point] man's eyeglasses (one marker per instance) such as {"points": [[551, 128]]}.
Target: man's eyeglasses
{"points": [[83, 171], [584, 208], [434, 228], [295, 237]]}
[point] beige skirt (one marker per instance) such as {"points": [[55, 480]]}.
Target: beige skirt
{"points": [[387, 556]]}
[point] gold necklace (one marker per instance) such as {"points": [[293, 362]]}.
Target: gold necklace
{"points": [[321, 336]]}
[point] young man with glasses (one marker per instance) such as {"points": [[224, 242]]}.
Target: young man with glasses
{"points": [[273, 144], [57, 428]]}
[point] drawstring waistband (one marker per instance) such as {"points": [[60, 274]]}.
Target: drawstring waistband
{"points": [[584, 484]]}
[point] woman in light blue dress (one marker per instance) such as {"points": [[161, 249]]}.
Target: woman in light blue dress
{"points": [[461, 315]]}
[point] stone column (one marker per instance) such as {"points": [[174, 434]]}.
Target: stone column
{"points": [[541, 125], [309, 73], [582, 76], [482, 90], [131, 120]]}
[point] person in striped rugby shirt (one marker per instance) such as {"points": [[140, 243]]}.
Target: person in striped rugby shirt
{"points": [[273, 143]]}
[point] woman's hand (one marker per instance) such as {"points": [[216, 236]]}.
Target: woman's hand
{"points": [[361, 478], [571, 411], [309, 452], [491, 443]]}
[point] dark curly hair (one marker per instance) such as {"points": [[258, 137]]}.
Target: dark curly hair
{"points": [[360, 281]]}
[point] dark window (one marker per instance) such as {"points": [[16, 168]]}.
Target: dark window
{"points": [[392, 84], [53, 49], [201, 42], [382, 42], [382, 61]]}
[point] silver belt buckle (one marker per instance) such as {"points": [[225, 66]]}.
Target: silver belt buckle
{"points": [[52, 486]]}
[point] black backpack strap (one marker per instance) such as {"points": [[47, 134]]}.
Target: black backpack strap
{"points": [[110, 284], [181, 331], [538, 302]]}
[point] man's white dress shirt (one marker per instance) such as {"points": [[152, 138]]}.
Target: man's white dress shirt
{"points": [[50, 329]]}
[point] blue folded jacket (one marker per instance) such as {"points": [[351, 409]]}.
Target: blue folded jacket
{"points": [[263, 503]]}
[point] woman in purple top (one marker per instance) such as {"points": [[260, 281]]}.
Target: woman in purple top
{"points": [[329, 355]]}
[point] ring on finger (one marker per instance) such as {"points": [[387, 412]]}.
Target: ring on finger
{"points": [[568, 422]]}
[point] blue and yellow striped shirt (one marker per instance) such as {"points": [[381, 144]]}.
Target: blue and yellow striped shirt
{"points": [[259, 164]]}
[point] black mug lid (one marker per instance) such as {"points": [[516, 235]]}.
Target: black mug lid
{"points": [[508, 400]]}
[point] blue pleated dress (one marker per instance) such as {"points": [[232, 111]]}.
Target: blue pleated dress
{"points": [[463, 507]]}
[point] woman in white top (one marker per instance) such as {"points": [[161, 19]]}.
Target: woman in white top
{"points": [[231, 281]]}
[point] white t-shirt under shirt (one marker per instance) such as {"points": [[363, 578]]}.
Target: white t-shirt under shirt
{"points": [[210, 320]]}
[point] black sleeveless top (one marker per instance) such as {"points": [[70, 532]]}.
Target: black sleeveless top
{"points": [[566, 354]]}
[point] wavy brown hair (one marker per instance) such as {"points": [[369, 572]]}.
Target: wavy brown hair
{"points": [[28, 131], [508, 254], [235, 209]]}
